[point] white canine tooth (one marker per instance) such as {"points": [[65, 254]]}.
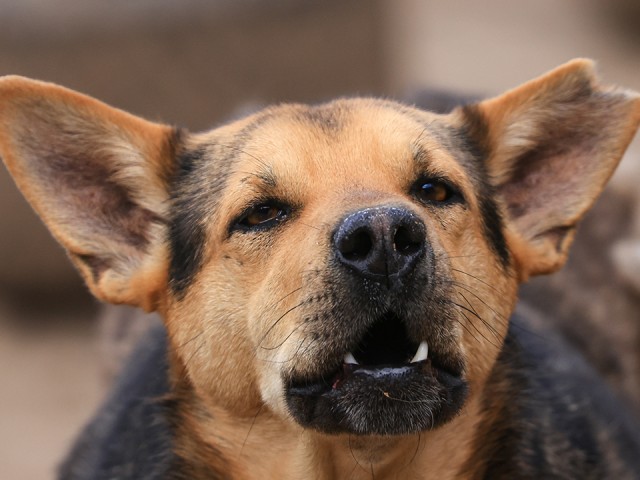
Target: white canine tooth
{"points": [[350, 359], [421, 353]]}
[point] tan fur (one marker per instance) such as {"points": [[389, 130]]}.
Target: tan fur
{"points": [[247, 302]]}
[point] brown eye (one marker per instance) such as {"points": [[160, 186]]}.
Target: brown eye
{"points": [[434, 192], [262, 216]]}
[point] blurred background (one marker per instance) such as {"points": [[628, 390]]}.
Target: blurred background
{"points": [[195, 63]]}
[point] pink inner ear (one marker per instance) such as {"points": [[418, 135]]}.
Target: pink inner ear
{"points": [[88, 205], [551, 190], [77, 180], [571, 145]]}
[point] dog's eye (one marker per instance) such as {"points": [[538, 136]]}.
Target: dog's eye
{"points": [[262, 215], [434, 191]]}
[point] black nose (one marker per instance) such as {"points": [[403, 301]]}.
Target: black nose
{"points": [[381, 243]]}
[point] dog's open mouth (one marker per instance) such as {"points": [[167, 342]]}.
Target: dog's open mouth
{"points": [[387, 384], [385, 349]]}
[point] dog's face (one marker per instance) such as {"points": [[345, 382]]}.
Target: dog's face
{"points": [[351, 267]]}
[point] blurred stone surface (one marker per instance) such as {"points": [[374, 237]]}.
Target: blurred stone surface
{"points": [[189, 63]]}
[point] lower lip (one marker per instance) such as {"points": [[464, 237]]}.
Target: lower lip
{"points": [[378, 376], [380, 400], [375, 373]]}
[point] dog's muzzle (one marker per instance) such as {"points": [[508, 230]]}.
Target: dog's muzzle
{"points": [[387, 380]]}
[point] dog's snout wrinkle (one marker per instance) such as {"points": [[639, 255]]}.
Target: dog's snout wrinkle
{"points": [[381, 243]]}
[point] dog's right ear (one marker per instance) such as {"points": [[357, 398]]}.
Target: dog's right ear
{"points": [[99, 179], [549, 147]]}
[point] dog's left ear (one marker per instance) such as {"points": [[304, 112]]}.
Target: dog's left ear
{"points": [[550, 147], [99, 179]]}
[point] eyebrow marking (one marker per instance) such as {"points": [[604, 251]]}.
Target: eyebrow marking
{"points": [[473, 140], [201, 175]]}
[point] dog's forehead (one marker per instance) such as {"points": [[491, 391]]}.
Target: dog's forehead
{"points": [[355, 140]]}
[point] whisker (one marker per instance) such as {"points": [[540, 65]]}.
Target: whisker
{"points": [[310, 226], [354, 456], [197, 335], [273, 325], [415, 453], [274, 304], [476, 278], [396, 399], [253, 422], [195, 352], [467, 288], [486, 324], [206, 329], [463, 325], [476, 329], [453, 257], [238, 149]]}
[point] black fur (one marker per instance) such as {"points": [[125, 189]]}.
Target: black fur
{"points": [[493, 225], [186, 229], [549, 416], [326, 117], [471, 139], [130, 438]]}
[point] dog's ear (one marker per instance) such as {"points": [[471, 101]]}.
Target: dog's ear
{"points": [[550, 147], [99, 178]]}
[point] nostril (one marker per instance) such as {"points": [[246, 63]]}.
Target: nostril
{"points": [[406, 241], [383, 244], [357, 245]]}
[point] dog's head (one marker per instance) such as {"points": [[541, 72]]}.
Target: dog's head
{"points": [[351, 266]]}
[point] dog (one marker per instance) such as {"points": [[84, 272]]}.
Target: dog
{"points": [[337, 282]]}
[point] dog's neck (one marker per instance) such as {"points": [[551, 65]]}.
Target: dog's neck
{"points": [[263, 445]]}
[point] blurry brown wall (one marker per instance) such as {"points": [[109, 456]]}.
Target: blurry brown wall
{"points": [[193, 67]]}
